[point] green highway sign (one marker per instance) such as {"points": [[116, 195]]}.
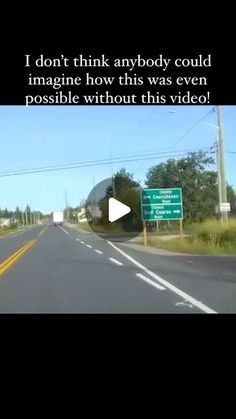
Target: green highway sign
{"points": [[162, 212], [162, 196], [162, 204]]}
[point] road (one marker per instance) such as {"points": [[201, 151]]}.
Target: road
{"points": [[63, 270]]}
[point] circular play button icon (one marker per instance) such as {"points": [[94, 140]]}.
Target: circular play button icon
{"points": [[116, 210], [113, 209]]}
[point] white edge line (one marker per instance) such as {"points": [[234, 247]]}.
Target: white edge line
{"points": [[88, 245], [167, 284], [155, 284], [98, 251], [115, 261], [82, 242], [63, 230], [78, 240]]}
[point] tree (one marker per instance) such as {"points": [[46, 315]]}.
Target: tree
{"points": [[199, 185], [17, 213], [81, 205], [122, 181], [231, 198], [27, 214], [125, 189], [6, 213]]}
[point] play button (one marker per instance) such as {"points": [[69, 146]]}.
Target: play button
{"points": [[113, 209], [117, 210]]}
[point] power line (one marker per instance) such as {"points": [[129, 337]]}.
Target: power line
{"points": [[193, 126], [92, 163], [72, 165], [111, 160]]}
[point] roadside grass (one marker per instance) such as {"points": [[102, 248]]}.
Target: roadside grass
{"points": [[194, 247], [209, 237], [83, 226], [213, 226], [6, 231]]}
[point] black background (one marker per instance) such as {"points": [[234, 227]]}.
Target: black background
{"points": [[14, 86], [185, 337]]}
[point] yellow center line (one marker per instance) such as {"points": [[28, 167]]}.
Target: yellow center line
{"points": [[11, 260], [14, 254]]}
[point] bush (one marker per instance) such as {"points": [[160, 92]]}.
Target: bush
{"points": [[204, 236], [226, 238], [221, 238]]}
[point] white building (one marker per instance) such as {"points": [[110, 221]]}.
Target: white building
{"points": [[82, 216], [5, 222]]}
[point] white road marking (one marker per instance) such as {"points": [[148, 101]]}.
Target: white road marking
{"points": [[88, 245], [82, 242], [98, 251], [184, 304], [115, 261], [78, 240], [63, 230], [149, 281], [167, 284]]}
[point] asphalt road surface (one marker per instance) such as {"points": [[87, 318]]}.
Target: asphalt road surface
{"points": [[63, 270]]}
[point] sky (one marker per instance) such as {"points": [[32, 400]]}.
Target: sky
{"points": [[46, 135]]}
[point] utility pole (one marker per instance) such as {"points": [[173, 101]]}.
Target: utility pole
{"points": [[218, 175], [94, 201], [67, 208], [222, 160], [218, 166], [26, 216], [112, 177], [22, 218]]}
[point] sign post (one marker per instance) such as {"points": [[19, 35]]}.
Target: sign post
{"points": [[144, 233], [181, 229], [225, 207]]}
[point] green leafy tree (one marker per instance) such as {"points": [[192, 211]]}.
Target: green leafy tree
{"points": [[6, 213], [125, 189], [27, 214], [191, 174], [17, 213], [231, 198], [124, 180]]}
